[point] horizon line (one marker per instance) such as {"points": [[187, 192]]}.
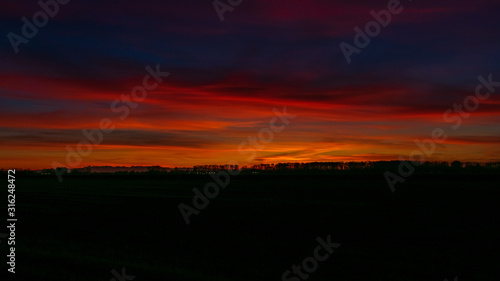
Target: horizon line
{"points": [[249, 165]]}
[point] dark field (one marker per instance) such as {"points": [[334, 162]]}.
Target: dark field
{"points": [[431, 228]]}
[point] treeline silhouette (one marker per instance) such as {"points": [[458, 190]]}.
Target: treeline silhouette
{"points": [[363, 167], [373, 167]]}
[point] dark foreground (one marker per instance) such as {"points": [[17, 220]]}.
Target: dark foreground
{"points": [[431, 228]]}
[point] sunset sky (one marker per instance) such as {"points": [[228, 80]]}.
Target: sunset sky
{"points": [[226, 77]]}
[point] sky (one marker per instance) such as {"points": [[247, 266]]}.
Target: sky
{"points": [[226, 80]]}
